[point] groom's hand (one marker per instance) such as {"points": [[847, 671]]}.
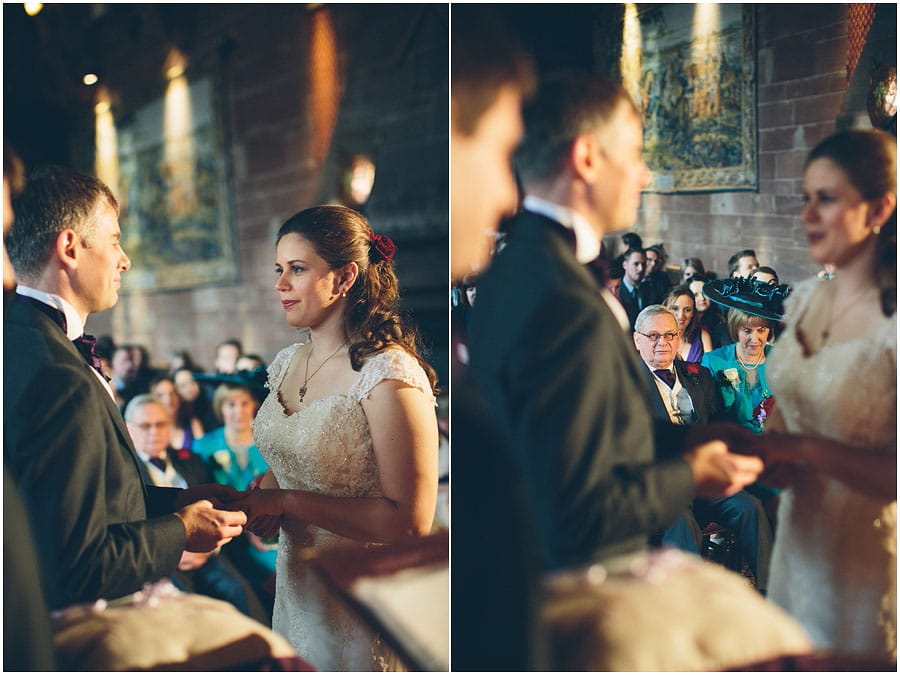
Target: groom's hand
{"points": [[220, 495]]}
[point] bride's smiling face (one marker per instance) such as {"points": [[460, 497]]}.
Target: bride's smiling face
{"points": [[308, 288]]}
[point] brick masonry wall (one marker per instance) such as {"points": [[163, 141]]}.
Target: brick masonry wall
{"points": [[392, 63]]}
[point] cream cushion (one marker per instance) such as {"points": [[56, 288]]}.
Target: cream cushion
{"points": [[161, 628], [664, 611]]}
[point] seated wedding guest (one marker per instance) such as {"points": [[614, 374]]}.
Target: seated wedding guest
{"points": [[739, 369], [633, 294], [495, 598], [655, 273], [691, 267], [710, 313], [104, 347], [233, 459], [743, 263], [183, 359], [195, 397], [833, 436], [122, 375], [694, 340], [207, 573], [227, 354], [348, 427], [555, 362], [250, 362], [765, 274], [100, 532], [684, 393], [186, 427]]}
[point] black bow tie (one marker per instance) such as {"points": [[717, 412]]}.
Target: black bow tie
{"points": [[666, 376], [159, 462], [85, 345]]}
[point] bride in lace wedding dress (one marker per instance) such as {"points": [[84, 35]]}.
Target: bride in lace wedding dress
{"points": [[833, 373], [349, 429]]}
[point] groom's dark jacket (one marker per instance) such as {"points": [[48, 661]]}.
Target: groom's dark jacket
{"points": [[564, 382], [99, 532]]}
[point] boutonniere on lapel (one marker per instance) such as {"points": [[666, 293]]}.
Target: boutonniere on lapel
{"points": [[761, 412], [730, 376], [692, 370], [183, 453], [222, 458]]}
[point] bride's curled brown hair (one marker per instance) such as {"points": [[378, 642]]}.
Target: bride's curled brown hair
{"points": [[372, 321]]}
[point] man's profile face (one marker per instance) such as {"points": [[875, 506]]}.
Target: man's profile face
{"points": [[483, 189], [617, 191], [662, 353], [634, 268], [99, 274]]}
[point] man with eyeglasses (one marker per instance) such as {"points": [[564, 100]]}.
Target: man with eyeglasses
{"points": [[687, 395], [551, 352], [207, 573]]}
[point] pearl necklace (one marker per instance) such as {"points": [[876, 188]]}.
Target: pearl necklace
{"points": [[748, 368], [307, 377]]}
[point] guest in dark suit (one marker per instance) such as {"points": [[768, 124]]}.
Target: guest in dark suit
{"points": [[551, 356], [98, 530], [208, 573], [633, 293], [688, 395]]}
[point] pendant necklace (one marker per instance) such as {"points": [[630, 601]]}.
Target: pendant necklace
{"points": [[826, 331], [307, 377]]}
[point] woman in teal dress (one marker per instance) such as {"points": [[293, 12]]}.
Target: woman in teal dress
{"points": [[739, 369], [234, 460]]}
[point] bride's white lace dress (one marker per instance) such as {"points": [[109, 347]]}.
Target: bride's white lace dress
{"points": [[834, 565], [325, 447]]}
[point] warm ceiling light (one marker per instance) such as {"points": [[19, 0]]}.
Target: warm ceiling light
{"points": [[90, 79], [32, 8]]}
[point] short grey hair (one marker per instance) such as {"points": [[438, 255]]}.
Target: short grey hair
{"points": [[139, 402], [54, 199], [651, 311]]}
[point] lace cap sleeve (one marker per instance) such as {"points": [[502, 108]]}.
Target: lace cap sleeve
{"points": [[391, 364], [279, 366]]}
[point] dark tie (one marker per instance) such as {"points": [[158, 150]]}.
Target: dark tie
{"points": [[159, 463], [85, 345], [666, 376]]}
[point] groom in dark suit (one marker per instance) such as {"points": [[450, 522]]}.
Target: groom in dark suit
{"points": [[99, 532], [549, 349], [686, 394]]}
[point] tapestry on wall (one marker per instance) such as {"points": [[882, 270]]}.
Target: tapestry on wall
{"points": [[692, 70], [175, 209]]}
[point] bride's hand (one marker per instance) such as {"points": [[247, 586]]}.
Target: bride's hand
{"points": [[264, 527], [259, 503]]}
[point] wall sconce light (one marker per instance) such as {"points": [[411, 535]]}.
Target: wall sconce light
{"points": [[33, 8], [357, 177], [882, 99]]}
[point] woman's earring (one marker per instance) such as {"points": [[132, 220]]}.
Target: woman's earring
{"points": [[344, 294], [877, 230]]}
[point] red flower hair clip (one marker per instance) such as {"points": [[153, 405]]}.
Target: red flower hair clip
{"points": [[384, 245]]}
